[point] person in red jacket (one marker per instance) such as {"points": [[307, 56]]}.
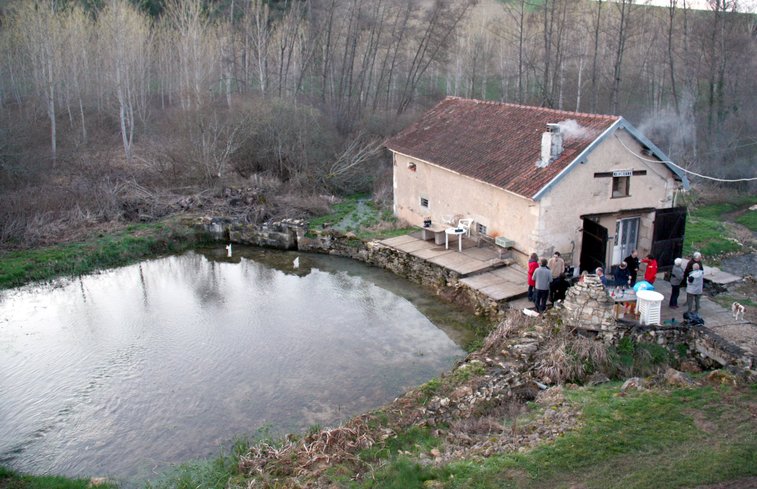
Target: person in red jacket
{"points": [[533, 264], [651, 274]]}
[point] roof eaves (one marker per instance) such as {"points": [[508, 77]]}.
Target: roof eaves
{"points": [[581, 158], [657, 152]]}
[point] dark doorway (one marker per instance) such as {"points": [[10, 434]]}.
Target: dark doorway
{"points": [[667, 243], [593, 246]]}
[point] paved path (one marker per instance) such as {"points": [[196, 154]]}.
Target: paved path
{"points": [[742, 333], [480, 268], [483, 270]]}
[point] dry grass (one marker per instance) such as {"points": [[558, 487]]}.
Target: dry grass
{"points": [[312, 454], [569, 357]]}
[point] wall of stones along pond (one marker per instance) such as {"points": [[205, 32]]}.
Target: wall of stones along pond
{"points": [[587, 306]]}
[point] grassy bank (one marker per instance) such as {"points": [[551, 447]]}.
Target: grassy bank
{"points": [[708, 231], [658, 437], [13, 480], [653, 438], [128, 245]]}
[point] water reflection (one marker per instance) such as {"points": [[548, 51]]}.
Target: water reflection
{"points": [[122, 372]]}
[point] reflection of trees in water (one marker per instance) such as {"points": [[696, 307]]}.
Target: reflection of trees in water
{"points": [[257, 275], [357, 290], [206, 283]]}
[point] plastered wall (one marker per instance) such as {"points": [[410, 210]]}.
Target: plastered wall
{"points": [[503, 213], [581, 193]]}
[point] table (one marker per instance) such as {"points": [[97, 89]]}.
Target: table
{"points": [[432, 232], [627, 297], [457, 232]]}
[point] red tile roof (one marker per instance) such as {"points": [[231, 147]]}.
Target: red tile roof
{"points": [[494, 142]]}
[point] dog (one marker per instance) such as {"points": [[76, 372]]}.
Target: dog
{"points": [[738, 311]]}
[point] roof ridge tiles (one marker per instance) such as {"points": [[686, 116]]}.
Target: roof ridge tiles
{"points": [[532, 107]]}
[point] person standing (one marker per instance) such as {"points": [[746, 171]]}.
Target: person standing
{"points": [[557, 266], [695, 258], [694, 288], [621, 277], [650, 274], [676, 277], [633, 264], [542, 279], [533, 264]]}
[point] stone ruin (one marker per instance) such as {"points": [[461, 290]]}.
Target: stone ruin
{"points": [[587, 306]]}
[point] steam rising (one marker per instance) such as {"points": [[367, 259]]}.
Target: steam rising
{"points": [[571, 129]]}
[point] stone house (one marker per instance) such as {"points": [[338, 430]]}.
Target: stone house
{"points": [[541, 180]]}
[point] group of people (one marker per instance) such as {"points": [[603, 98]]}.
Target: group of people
{"points": [[628, 270], [691, 279], [546, 278]]}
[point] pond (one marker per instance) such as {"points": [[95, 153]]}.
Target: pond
{"points": [[129, 371]]}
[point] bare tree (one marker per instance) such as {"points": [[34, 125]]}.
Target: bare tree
{"points": [[623, 28], [125, 35], [39, 31], [440, 20]]}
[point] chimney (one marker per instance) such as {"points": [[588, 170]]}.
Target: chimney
{"points": [[551, 145]]}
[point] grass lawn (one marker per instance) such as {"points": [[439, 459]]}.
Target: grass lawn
{"points": [[13, 480], [656, 438], [360, 215], [707, 232]]}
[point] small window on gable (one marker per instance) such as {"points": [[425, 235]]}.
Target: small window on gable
{"points": [[481, 229], [411, 167], [620, 187], [424, 202]]}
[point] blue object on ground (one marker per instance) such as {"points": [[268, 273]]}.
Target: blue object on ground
{"points": [[643, 285]]}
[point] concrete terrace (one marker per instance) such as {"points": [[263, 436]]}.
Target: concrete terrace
{"points": [[479, 268]]}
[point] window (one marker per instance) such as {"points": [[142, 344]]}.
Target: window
{"points": [[620, 186], [424, 202], [481, 228]]}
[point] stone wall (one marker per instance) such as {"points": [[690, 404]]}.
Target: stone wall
{"points": [[444, 282], [587, 306]]}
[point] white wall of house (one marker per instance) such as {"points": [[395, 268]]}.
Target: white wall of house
{"points": [[581, 193], [449, 193]]}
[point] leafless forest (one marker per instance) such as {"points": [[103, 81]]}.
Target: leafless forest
{"points": [[115, 111]]}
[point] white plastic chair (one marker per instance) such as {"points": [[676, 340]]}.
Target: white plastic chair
{"points": [[465, 224]]}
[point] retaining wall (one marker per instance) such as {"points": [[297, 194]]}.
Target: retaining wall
{"points": [[585, 308]]}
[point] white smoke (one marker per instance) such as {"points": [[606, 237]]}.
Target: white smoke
{"points": [[571, 129]]}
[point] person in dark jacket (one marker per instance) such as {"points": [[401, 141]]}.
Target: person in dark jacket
{"points": [[542, 278], [633, 264], [621, 277]]}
